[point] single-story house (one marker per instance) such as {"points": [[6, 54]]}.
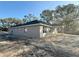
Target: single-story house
{"points": [[32, 29]]}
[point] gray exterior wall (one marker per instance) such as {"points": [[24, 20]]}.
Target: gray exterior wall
{"points": [[30, 32]]}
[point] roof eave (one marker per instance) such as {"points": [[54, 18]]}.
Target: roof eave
{"points": [[39, 24]]}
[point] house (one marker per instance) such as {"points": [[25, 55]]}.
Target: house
{"points": [[32, 29]]}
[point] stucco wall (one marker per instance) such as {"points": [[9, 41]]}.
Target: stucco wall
{"points": [[41, 31], [34, 31], [31, 31]]}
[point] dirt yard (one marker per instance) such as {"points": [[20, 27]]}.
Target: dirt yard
{"points": [[60, 45]]}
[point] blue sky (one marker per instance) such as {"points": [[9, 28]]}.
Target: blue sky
{"points": [[18, 9]]}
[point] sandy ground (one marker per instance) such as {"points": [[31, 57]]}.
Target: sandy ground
{"points": [[60, 45]]}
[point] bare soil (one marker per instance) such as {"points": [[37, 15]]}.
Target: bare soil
{"points": [[59, 45]]}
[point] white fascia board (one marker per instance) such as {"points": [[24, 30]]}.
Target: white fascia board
{"points": [[39, 24]]}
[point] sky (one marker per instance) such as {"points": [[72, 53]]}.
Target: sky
{"points": [[18, 9]]}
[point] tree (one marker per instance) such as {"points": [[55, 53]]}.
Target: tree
{"points": [[65, 15], [46, 15], [28, 18], [2, 22], [7, 22], [65, 9]]}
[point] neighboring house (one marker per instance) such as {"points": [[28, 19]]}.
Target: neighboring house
{"points": [[33, 29]]}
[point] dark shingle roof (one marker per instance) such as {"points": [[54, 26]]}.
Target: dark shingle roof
{"points": [[32, 22]]}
